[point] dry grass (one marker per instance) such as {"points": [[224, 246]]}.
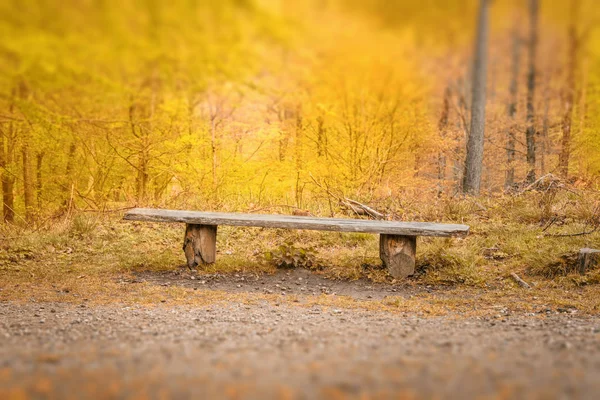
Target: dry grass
{"points": [[88, 256]]}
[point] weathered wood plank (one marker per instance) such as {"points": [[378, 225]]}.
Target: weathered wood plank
{"points": [[398, 254], [297, 222], [200, 244]]}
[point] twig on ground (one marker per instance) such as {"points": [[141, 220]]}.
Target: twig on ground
{"points": [[594, 221], [356, 207], [571, 234], [549, 224], [273, 206], [548, 177], [373, 213], [105, 211], [520, 281]]}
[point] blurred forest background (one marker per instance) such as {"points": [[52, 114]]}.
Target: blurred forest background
{"points": [[242, 104]]}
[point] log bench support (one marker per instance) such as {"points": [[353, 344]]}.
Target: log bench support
{"points": [[588, 259], [398, 254], [397, 240], [200, 244]]}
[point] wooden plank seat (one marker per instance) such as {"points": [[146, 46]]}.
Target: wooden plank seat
{"points": [[397, 240]]}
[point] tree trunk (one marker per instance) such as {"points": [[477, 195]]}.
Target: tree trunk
{"points": [[321, 137], [213, 148], [461, 124], [583, 72], [299, 139], [299, 156], [545, 127], [474, 158], [565, 151], [69, 175], [2, 163], [38, 178], [141, 180], [512, 110], [142, 176], [28, 187], [532, 49], [6, 159], [443, 127], [284, 135]]}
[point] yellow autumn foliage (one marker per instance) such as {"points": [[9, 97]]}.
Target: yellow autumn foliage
{"points": [[235, 104]]}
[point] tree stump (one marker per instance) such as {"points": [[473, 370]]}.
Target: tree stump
{"points": [[200, 244], [398, 254], [588, 259]]}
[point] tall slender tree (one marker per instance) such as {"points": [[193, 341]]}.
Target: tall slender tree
{"points": [[569, 98], [7, 155], [512, 108], [532, 50], [474, 158], [28, 185], [442, 128], [7, 215]]}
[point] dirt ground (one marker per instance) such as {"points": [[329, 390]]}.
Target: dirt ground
{"points": [[288, 350], [299, 282]]}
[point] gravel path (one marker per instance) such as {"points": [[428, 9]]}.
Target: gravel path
{"points": [[55, 350]]}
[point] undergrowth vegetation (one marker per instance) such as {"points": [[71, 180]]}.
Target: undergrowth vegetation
{"points": [[535, 233]]}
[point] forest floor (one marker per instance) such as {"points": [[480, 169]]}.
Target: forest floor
{"points": [[295, 334], [93, 306]]}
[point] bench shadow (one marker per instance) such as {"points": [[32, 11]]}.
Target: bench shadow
{"points": [[299, 282]]}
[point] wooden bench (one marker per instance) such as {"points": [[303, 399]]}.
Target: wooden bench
{"points": [[397, 240]]}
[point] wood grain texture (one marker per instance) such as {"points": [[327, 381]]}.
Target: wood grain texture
{"points": [[398, 254], [200, 244], [588, 259], [297, 222]]}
